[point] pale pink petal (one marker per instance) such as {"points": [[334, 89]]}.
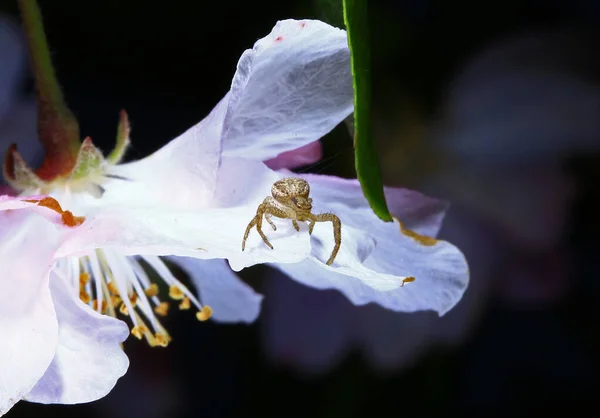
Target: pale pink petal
{"points": [[305, 155], [89, 358], [27, 319], [242, 181], [230, 298], [206, 234], [416, 211], [292, 88], [376, 257], [214, 232], [180, 175]]}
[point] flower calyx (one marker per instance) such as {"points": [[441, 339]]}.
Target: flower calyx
{"points": [[86, 170]]}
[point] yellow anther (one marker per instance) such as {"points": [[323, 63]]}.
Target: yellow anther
{"points": [[123, 309], [185, 304], [139, 331], [161, 339], [112, 287], [115, 300], [133, 299], [95, 305], [152, 290], [407, 280], [176, 293], [84, 279], [84, 296], [204, 314], [162, 309]]}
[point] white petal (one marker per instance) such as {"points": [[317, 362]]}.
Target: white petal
{"points": [[377, 275], [243, 181], [27, 320], [417, 212], [206, 234], [31, 204], [89, 358], [200, 233], [230, 298], [180, 175], [293, 87]]}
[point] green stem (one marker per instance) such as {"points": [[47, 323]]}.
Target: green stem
{"points": [[365, 152], [58, 129]]}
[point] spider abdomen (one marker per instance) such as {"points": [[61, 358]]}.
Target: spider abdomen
{"points": [[289, 187]]}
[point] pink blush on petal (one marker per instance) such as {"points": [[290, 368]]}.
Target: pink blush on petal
{"points": [[307, 154]]}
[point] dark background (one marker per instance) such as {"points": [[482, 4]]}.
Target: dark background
{"points": [[168, 63]]}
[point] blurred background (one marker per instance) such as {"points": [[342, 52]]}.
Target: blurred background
{"points": [[494, 106]]}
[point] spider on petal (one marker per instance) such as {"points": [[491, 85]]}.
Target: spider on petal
{"points": [[289, 200]]}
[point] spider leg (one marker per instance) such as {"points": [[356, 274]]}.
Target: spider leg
{"points": [[311, 226], [261, 233], [270, 221], [248, 228], [271, 209], [257, 220], [337, 231]]}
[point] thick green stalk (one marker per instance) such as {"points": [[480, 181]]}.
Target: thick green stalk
{"points": [[58, 129]]}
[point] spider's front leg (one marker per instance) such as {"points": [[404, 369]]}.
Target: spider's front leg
{"points": [[257, 220], [268, 218], [337, 231]]}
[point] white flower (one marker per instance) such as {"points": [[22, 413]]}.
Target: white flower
{"points": [[53, 346], [194, 198], [376, 258], [171, 203]]}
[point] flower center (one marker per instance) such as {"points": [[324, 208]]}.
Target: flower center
{"points": [[117, 285], [114, 284]]}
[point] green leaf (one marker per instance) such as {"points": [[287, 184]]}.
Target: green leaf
{"points": [[366, 160]]}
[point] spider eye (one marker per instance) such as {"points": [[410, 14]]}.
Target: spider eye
{"points": [[300, 203]]}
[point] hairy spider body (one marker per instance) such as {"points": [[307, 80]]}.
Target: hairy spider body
{"points": [[289, 200]]}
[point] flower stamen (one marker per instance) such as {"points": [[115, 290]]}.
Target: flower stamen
{"points": [[114, 284]]}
